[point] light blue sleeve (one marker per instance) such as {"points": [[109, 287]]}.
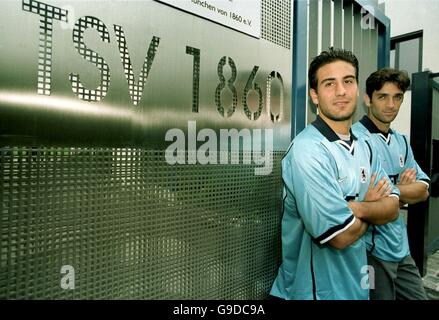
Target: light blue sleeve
{"points": [[360, 131], [411, 163], [309, 173]]}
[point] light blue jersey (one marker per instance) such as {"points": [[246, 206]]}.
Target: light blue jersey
{"points": [[389, 242], [321, 174]]}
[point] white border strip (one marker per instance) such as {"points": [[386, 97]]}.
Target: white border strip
{"points": [[338, 232]]}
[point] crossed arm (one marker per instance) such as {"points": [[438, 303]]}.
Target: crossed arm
{"points": [[412, 191], [377, 208]]}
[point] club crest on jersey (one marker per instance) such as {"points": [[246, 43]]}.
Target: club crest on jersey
{"points": [[363, 176], [401, 161]]}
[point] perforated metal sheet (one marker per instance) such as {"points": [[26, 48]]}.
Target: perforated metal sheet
{"points": [[133, 226], [276, 22]]}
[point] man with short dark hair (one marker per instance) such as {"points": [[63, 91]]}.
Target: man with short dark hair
{"points": [[396, 275], [330, 195]]}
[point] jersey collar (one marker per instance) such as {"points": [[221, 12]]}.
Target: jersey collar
{"points": [[369, 125], [327, 132]]}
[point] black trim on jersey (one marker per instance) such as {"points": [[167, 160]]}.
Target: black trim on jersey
{"points": [[426, 180], [326, 130], [349, 198], [288, 150], [285, 198], [370, 150], [386, 139], [351, 148], [406, 150], [373, 239], [313, 278], [394, 178], [334, 229], [371, 127]]}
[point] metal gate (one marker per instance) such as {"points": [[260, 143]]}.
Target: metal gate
{"points": [[423, 218]]}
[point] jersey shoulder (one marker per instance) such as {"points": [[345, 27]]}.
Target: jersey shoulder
{"points": [[306, 145], [359, 130], [400, 137]]}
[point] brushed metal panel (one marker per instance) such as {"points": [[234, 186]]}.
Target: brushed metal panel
{"points": [[62, 118]]}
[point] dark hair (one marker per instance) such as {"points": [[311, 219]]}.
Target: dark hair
{"points": [[330, 56], [377, 79]]}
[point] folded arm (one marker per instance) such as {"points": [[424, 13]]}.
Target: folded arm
{"points": [[350, 235], [373, 212], [377, 212], [378, 207], [412, 191]]}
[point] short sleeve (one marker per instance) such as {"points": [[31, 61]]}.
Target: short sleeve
{"points": [[310, 174], [411, 163]]}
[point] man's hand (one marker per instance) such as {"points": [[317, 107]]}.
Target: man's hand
{"points": [[380, 190], [377, 207], [412, 191], [407, 177]]}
